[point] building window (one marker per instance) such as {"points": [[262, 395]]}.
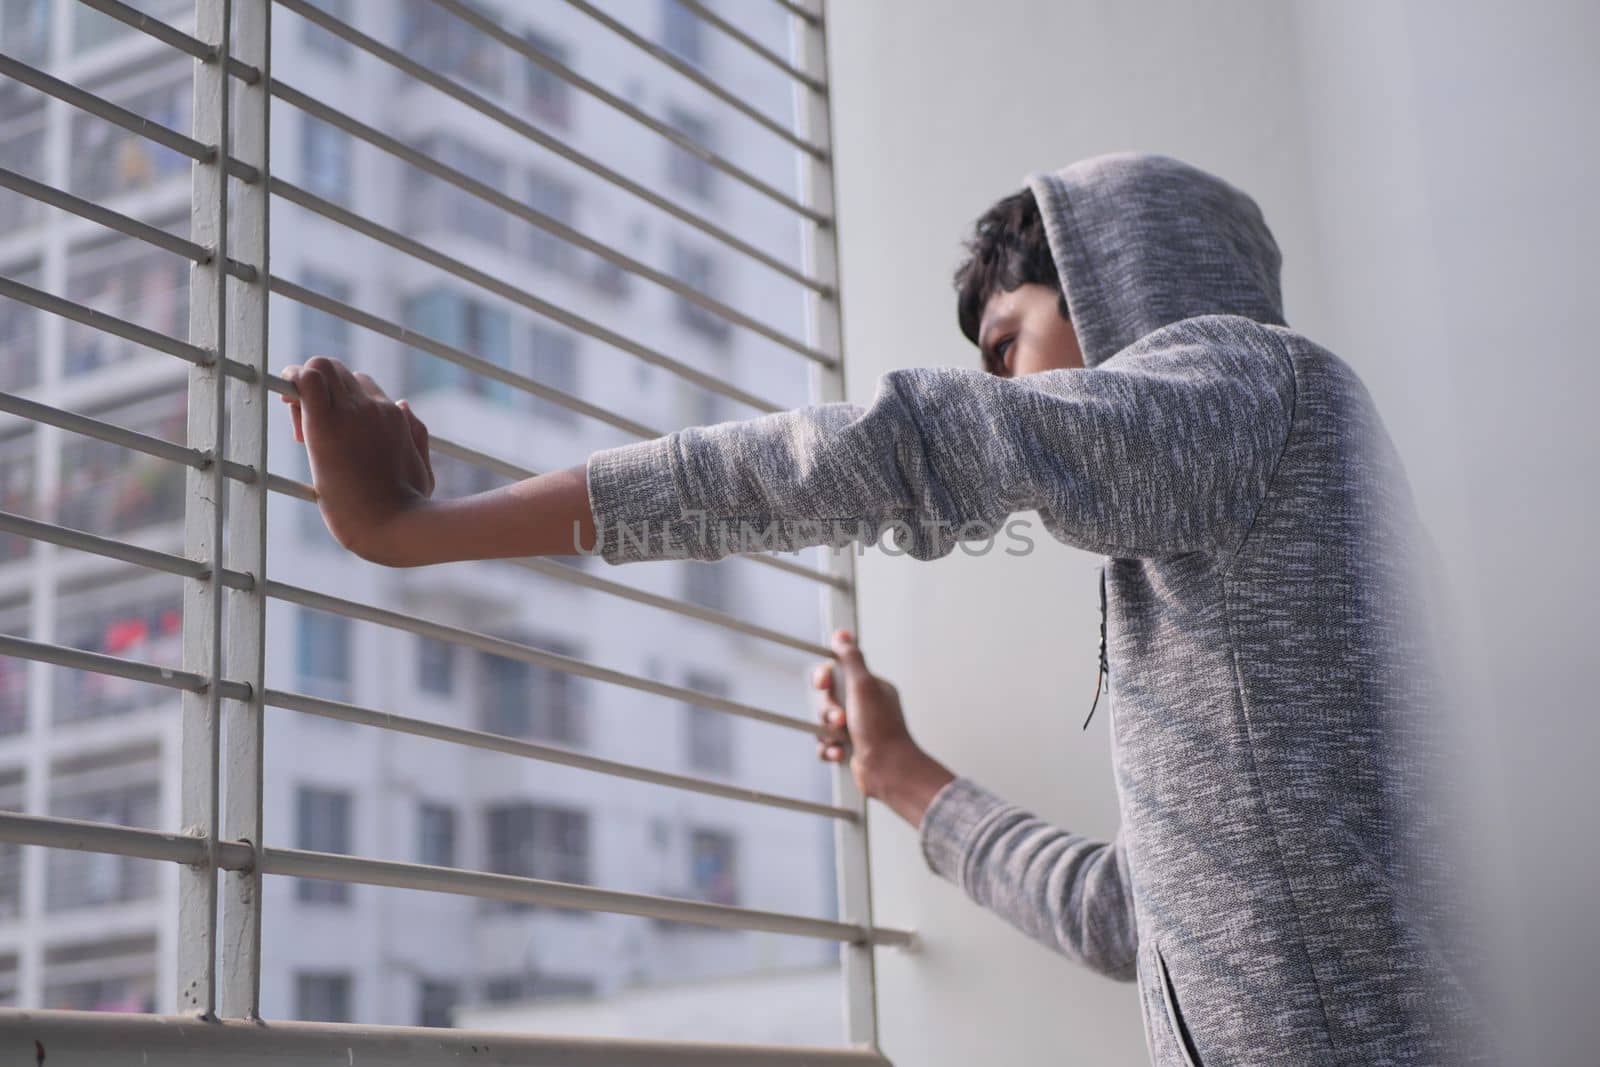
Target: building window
{"points": [[12, 798], [320, 41], [709, 733], [549, 95], [13, 695], [530, 700], [697, 270], [436, 835], [109, 489], [322, 334], [686, 170], [25, 30], [322, 824], [713, 866], [445, 44], [510, 988], [706, 584], [91, 29], [557, 199], [435, 204], [148, 629], [131, 280], [117, 973], [553, 361], [436, 666], [460, 322], [325, 160], [323, 654], [108, 160], [436, 1002], [537, 841], [19, 323], [322, 997], [18, 495], [682, 32], [121, 787], [22, 150]]}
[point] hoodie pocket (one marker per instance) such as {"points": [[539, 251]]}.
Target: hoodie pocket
{"points": [[1169, 997]]}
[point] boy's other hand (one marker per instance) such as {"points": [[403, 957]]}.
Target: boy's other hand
{"points": [[869, 724], [369, 454]]}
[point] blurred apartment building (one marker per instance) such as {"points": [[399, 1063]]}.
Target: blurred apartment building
{"points": [[98, 931]]}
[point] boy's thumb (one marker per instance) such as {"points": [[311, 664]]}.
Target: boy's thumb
{"points": [[849, 655]]}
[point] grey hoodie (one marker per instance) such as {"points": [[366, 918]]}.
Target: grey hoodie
{"points": [[1277, 888]]}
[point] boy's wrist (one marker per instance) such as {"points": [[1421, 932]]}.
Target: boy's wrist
{"points": [[413, 537], [906, 779]]}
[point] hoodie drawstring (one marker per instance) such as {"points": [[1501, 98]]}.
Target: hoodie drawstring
{"points": [[1105, 670]]}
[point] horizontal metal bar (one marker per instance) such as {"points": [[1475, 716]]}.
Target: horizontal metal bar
{"points": [[522, 210], [79, 835], [484, 280], [530, 52], [115, 220], [575, 576], [34, 411], [94, 212], [83, 836], [716, 89], [500, 646], [121, 116], [800, 11], [170, 35], [529, 130], [456, 735], [68, 309], [460, 357], [298, 863], [504, 468], [277, 483], [112, 1039], [99, 663], [755, 46], [111, 548]]}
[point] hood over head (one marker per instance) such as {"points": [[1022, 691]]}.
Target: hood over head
{"points": [[1141, 241]]}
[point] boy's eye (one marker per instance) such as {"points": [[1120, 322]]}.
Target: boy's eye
{"points": [[1002, 348]]}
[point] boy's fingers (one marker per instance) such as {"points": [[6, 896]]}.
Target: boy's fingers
{"points": [[822, 676], [313, 385], [339, 384], [419, 437], [370, 386]]}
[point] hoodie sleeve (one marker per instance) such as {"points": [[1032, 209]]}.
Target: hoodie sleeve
{"points": [[1167, 447], [1066, 891]]}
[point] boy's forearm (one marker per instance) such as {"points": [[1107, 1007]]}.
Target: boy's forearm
{"points": [[546, 515]]}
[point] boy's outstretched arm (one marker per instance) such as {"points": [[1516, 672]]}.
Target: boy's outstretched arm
{"points": [[1166, 448]]}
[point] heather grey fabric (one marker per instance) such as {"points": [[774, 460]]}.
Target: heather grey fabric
{"points": [[1277, 888]]}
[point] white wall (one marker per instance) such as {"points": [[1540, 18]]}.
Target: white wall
{"points": [[1422, 170]]}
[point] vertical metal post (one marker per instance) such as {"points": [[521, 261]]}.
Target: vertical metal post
{"points": [[203, 520], [244, 655], [42, 569], [821, 253]]}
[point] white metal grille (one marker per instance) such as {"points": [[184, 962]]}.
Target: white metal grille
{"points": [[220, 852]]}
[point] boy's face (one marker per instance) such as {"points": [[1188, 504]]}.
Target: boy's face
{"points": [[1023, 330]]}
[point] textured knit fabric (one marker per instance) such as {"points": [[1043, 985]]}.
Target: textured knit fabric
{"points": [[1275, 888]]}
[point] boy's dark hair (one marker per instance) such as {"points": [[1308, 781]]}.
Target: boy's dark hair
{"points": [[1008, 248]]}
